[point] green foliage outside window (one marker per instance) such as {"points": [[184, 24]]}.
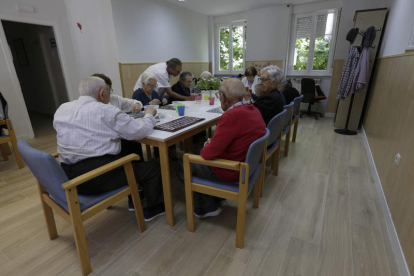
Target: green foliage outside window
{"points": [[224, 49], [320, 57], [238, 48]]}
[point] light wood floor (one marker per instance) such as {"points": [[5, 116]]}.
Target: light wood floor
{"points": [[320, 216]]}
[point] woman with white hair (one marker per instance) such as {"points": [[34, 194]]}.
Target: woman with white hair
{"points": [[270, 103], [146, 94]]}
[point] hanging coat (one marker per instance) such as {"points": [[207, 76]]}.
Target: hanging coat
{"points": [[361, 71], [347, 78]]}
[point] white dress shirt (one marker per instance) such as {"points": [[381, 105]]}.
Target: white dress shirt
{"points": [[160, 70], [123, 103], [246, 82], [88, 128]]}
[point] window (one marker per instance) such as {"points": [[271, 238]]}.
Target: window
{"points": [[231, 48], [311, 49]]}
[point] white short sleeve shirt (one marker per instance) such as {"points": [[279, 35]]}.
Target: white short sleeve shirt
{"points": [[160, 70]]}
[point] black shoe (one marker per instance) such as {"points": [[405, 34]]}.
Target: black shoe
{"points": [[151, 213], [211, 211], [131, 203]]}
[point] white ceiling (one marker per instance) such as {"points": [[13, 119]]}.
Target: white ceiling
{"points": [[220, 7]]}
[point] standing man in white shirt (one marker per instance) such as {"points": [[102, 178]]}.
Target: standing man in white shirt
{"points": [[89, 133], [164, 71]]}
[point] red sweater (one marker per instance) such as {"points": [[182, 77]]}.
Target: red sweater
{"points": [[235, 131]]}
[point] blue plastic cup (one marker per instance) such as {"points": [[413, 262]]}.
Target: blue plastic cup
{"points": [[181, 110]]}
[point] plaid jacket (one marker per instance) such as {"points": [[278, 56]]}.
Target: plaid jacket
{"points": [[348, 72]]}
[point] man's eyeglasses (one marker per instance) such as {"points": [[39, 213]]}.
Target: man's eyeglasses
{"points": [[263, 80], [153, 85], [218, 95]]}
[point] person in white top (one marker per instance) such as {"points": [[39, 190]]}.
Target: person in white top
{"points": [[250, 78], [89, 133], [164, 71]]}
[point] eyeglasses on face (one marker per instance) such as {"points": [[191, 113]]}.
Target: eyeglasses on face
{"points": [[218, 95], [263, 79], [152, 85]]}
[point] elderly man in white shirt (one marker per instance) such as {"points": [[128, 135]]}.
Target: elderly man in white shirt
{"points": [[89, 133], [164, 71]]}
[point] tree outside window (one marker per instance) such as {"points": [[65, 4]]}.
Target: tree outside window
{"points": [[231, 56]]}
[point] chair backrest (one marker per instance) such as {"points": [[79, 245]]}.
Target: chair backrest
{"points": [[307, 89], [274, 127], [255, 152], [289, 111], [296, 104], [45, 168]]}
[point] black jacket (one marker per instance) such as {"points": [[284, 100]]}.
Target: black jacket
{"points": [[290, 94], [269, 105]]}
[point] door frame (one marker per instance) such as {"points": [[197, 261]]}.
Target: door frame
{"points": [[12, 70]]}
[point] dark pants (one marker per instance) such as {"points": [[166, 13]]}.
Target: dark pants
{"points": [[128, 147], [147, 175], [203, 171]]}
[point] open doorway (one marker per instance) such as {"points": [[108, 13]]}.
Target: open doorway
{"points": [[38, 68]]}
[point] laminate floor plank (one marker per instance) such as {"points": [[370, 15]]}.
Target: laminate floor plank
{"points": [[225, 266]]}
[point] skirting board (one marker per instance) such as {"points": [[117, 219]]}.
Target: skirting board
{"points": [[395, 242]]}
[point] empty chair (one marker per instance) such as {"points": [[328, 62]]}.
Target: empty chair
{"points": [[287, 128], [251, 176], [308, 89], [6, 123], [60, 194], [296, 115], [275, 127]]}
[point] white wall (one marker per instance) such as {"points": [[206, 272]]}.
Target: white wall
{"points": [[399, 26], [46, 10], [155, 31], [267, 33], [95, 47]]}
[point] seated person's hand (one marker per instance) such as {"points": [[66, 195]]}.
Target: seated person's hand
{"points": [[164, 101], [154, 102], [248, 94], [190, 98], [207, 142], [150, 110], [136, 108]]}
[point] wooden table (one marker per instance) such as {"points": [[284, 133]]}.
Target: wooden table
{"points": [[163, 140]]}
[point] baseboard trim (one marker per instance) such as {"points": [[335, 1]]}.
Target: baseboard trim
{"points": [[330, 115], [392, 232]]}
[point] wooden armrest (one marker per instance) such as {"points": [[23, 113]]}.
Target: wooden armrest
{"points": [[97, 172], [218, 163], [3, 122], [55, 154]]}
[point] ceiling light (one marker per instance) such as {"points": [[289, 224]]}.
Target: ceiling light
{"points": [[181, 0]]}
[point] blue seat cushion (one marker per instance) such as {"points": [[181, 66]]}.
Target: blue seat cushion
{"points": [[295, 118], [229, 186], [285, 129], [271, 147], [87, 201]]}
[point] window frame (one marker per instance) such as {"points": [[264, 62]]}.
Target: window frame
{"points": [[229, 25], [309, 71]]}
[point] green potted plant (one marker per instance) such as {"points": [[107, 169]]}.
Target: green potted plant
{"points": [[208, 86]]}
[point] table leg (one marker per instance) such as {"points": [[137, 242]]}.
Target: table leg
{"points": [[166, 184], [148, 150]]}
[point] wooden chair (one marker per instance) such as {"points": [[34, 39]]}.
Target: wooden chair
{"points": [[59, 194], [288, 126], [275, 127], [296, 114], [251, 176], [11, 137]]}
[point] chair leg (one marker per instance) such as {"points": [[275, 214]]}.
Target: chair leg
{"points": [[78, 231], [241, 216], [129, 172], [295, 130], [257, 191], [275, 160], [48, 213], [287, 142], [4, 151], [188, 193], [14, 143]]}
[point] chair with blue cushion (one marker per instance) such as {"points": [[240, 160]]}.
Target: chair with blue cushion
{"points": [[251, 176], [60, 194], [287, 126], [275, 127], [6, 123], [296, 114]]}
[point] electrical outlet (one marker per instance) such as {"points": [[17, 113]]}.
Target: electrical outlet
{"points": [[397, 159]]}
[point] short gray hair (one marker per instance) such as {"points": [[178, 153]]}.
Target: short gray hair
{"points": [[173, 63], [275, 73], [285, 84], [205, 74], [91, 86], [185, 75], [233, 88], [147, 76]]}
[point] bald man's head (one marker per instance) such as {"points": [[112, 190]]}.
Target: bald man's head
{"points": [[233, 89]]}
